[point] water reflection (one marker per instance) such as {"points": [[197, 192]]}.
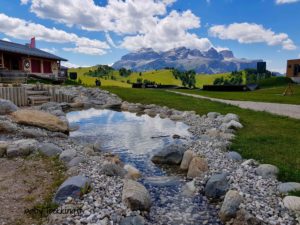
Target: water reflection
{"points": [[123, 130]]}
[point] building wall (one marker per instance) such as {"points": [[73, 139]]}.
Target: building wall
{"points": [[293, 68]]}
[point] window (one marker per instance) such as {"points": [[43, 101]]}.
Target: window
{"points": [[296, 69]]}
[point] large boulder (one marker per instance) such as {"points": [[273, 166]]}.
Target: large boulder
{"points": [[171, 155], [267, 171], [186, 160], [216, 186], [230, 116], [197, 166], [67, 155], [21, 148], [73, 187], [40, 119], [136, 196], [112, 170], [33, 133], [7, 126], [49, 149], [292, 203], [288, 187], [3, 148], [7, 107], [230, 205]]}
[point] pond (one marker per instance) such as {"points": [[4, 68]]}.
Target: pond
{"points": [[135, 138]]}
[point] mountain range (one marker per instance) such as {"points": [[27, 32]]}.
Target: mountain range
{"points": [[207, 62]]}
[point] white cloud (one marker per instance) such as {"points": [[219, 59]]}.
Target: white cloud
{"points": [[280, 2], [129, 16], [110, 40], [21, 29], [247, 33], [169, 32], [50, 50]]}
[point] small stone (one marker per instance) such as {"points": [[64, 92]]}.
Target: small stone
{"points": [[49, 149], [213, 115], [230, 116], [21, 148], [75, 161], [132, 172], [7, 107], [216, 186], [230, 205], [112, 169], [171, 155], [292, 203], [3, 148], [267, 171], [187, 158], [234, 156], [197, 166], [288, 187], [67, 155], [133, 220]]}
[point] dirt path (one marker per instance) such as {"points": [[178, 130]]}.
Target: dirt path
{"points": [[289, 110]]}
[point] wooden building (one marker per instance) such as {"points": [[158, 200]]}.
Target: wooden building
{"points": [[293, 70], [17, 62]]}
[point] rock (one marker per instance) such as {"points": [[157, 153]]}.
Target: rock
{"points": [[231, 125], [21, 148], [97, 145], [67, 155], [112, 169], [234, 156], [135, 108], [250, 162], [292, 203], [72, 187], [40, 119], [245, 218], [189, 188], [132, 172], [187, 158], [197, 166], [33, 133], [213, 115], [125, 106], [7, 107], [176, 117], [136, 196], [89, 151], [216, 186], [8, 127], [76, 105], [230, 116], [133, 220], [3, 148], [287, 187], [150, 112], [171, 155], [75, 161], [267, 171], [49, 149], [230, 205]]}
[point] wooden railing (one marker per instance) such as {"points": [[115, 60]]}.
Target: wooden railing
{"points": [[17, 95]]}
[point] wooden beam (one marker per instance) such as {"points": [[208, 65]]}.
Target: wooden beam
{"points": [[2, 60]]}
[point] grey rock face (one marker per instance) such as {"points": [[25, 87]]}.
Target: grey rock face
{"points": [[49, 149], [112, 169], [75, 161], [230, 205], [136, 196], [21, 148], [33, 133], [267, 171], [67, 156], [171, 155], [72, 187], [133, 220], [234, 156], [8, 127], [288, 187], [7, 107], [216, 186]]}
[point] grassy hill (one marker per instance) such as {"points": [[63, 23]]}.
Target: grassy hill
{"points": [[160, 77]]}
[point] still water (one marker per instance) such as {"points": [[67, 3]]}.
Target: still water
{"points": [[135, 138]]}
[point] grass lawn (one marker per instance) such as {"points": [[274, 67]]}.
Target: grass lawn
{"points": [[265, 137], [262, 95]]}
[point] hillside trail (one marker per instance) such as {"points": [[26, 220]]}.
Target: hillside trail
{"points": [[289, 110]]}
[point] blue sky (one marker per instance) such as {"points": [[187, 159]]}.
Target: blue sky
{"points": [[89, 32]]}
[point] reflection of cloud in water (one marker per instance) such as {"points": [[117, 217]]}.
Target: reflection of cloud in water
{"points": [[124, 130]]}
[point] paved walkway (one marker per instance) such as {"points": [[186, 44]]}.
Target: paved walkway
{"points": [[289, 110]]}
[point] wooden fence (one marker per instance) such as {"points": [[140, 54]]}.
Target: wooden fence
{"points": [[17, 95], [57, 96]]}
